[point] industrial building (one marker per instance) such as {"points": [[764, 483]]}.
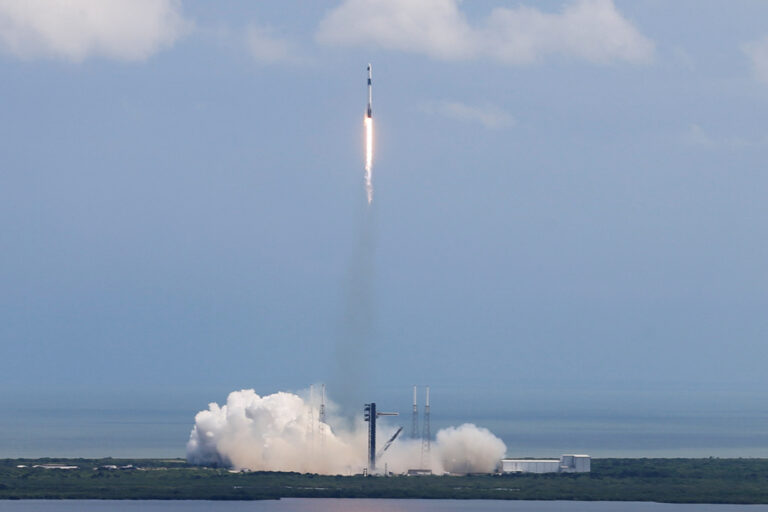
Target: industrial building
{"points": [[566, 464]]}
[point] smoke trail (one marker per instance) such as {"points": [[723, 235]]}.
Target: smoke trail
{"points": [[351, 371], [353, 347], [369, 158], [282, 432]]}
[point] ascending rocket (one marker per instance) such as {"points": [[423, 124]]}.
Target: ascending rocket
{"points": [[370, 110], [368, 123]]}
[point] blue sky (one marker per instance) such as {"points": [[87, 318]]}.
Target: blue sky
{"points": [[569, 207]]}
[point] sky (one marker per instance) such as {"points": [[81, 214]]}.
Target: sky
{"points": [[568, 214]]}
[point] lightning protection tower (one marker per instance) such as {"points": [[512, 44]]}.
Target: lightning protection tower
{"points": [[311, 417], [415, 417], [321, 417], [426, 434]]}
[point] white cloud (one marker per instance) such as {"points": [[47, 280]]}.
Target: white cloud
{"points": [[490, 116], [433, 27], [683, 58], [593, 30], [697, 137], [75, 30], [266, 47], [757, 51]]}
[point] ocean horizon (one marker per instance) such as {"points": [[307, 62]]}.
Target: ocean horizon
{"points": [[158, 433]]}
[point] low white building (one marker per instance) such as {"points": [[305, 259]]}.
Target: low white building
{"points": [[575, 464], [530, 466], [566, 464]]}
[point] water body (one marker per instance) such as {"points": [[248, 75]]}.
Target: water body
{"points": [[129, 433], [159, 433], [363, 505]]}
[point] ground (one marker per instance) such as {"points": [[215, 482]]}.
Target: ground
{"points": [[661, 480]]}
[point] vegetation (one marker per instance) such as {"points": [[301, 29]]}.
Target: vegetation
{"points": [[661, 480]]}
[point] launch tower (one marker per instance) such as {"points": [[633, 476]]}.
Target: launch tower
{"points": [[370, 415]]}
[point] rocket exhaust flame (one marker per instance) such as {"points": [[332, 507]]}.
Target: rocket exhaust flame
{"points": [[369, 158]]}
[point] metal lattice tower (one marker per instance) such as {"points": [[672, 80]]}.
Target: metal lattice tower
{"points": [[321, 417], [415, 419], [426, 435], [311, 422]]}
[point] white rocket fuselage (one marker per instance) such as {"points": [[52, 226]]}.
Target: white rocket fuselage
{"points": [[370, 109]]}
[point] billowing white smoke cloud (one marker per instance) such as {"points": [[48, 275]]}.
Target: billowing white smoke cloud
{"points": [[278, 432], [469, 449], [281, 432]]}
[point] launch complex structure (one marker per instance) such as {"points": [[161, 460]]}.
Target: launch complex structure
{"points": [[370, 414]]}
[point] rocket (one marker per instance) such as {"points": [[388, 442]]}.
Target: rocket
{"points": [[368, 123], [370, 109]]}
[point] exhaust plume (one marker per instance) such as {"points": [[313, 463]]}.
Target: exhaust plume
{"points": [[368, 122], [283, 432]]}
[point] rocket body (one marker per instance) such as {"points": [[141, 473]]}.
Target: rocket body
{"points": [[369, 112]]}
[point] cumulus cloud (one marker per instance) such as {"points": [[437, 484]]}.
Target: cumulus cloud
{"points": [[698, 137], [757, 51], [490, 116], [75, 30], [433, 27], [593, 30], [267, 47]]}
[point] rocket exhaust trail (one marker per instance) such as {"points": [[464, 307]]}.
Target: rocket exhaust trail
{"points": [[369, 158], [368, 123], [354, 343]]}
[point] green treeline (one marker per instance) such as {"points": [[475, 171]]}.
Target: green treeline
{"points": [[661, 480]]}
